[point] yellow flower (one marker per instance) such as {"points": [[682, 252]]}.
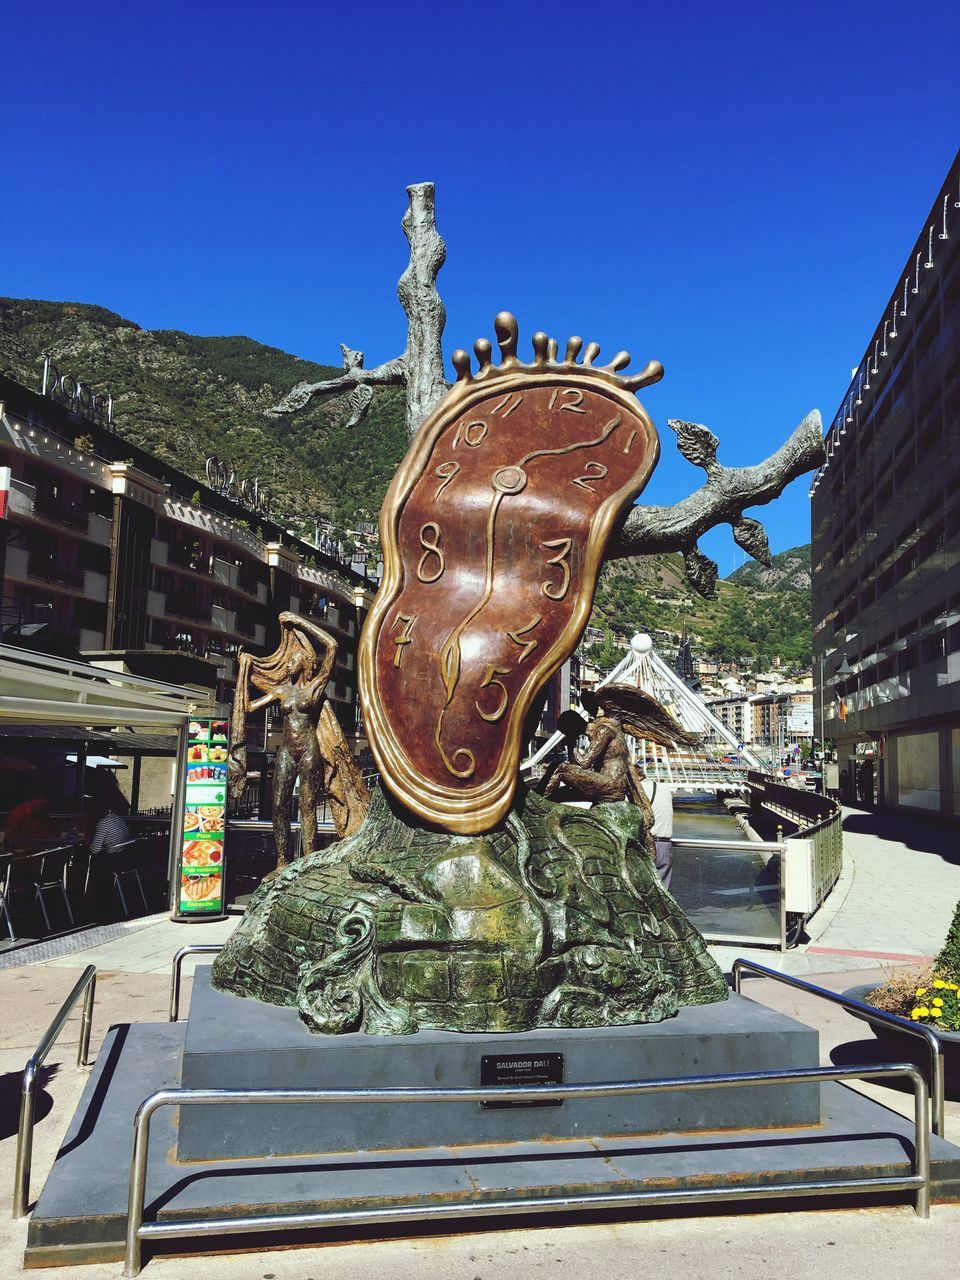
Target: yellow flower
{"points": [[936, 1013], [915, 1014], [921, 991], [923, 1011], [938, 1002], [939, 983]]}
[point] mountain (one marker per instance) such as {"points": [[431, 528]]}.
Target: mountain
{"points": [[789, 572], [184, 397], [757, 613]]}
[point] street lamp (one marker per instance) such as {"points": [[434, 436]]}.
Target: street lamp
{"points": [[844, 669]]}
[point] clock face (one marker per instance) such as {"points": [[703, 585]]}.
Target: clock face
{"points": [[493, 534]]}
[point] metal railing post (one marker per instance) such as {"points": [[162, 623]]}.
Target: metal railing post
{"points": [[195, 949], [86, 1022], [917, 1182], [934, 1043], [85, 986], [921, 1144]]}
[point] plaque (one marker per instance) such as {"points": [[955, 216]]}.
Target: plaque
{"points": [[521, 1069], [493, 535]]}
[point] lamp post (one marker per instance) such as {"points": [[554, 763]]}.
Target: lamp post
{"points": [[844, 669]]}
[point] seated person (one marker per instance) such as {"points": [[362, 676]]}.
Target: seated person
{"points": [[110, 831], [30, 827]]}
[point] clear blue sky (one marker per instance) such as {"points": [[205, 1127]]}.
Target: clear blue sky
{"points": [[729, 188]]}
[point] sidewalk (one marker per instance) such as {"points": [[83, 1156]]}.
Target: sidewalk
{"points": [[900, 883]]}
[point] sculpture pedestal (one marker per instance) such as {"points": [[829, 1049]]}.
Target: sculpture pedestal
{"points": [[81, 1212], [236, 1043]]}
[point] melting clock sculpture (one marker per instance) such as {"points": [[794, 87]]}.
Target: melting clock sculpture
{"points": [[465, 902]]}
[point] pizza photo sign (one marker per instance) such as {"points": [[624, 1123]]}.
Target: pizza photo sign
{"points": [[493, 533]]}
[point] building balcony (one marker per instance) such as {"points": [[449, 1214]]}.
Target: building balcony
{"points": [[193, 558], [61, 514], [22, 498], [226, 573], [59, 575], [223, 619], [100, 529], [89, 641], [16, 562], [95, 586], [254, 631], [180, 605]]}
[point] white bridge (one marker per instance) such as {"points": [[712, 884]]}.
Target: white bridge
{"points": [[681, 769]]}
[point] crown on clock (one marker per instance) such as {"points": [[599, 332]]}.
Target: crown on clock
{"points": [[545, 352]]}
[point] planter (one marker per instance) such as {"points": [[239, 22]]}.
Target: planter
{"points": [[904, 1047]]}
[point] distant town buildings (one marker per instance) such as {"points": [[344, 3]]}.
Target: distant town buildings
{"points": [[886, 541]]}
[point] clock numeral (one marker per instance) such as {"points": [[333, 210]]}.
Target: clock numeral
{"points": [[406, 635], [573, 403], [630, 439], [558, 590], [461, 753], [594, 471], [445, 472], [527, 646], [472, 435], [508, 404], [431, 547], [489, 681]]}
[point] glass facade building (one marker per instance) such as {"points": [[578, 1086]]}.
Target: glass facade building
{"points": [[886, 541]]}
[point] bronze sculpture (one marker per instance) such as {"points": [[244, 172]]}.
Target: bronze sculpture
{"points": [[546, 916], [463, 901], [312, 748], [605, 771]]}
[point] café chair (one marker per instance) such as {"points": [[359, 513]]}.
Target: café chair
{"points": [[6, 869], [125, 865], [49, 875]]}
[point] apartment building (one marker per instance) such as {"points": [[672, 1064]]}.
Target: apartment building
{"points": [[107, 550], [886, 538]]}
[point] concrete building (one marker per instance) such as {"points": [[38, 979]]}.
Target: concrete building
{"points": [[886, 539], [736, 714], [110, 552]]}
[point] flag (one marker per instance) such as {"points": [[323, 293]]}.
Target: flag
{"points": [[842, 708]]}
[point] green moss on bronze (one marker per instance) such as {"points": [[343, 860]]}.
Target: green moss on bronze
{"points": [[557, 918]]}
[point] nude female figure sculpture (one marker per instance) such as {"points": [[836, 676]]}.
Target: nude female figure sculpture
{"points": [[312, 749]]}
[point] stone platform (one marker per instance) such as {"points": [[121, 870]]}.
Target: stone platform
{"points": [[81, 1213], [236, 1043]]}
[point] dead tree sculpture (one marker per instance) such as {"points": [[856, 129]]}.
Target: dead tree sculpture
{"points": [[646, 530]]}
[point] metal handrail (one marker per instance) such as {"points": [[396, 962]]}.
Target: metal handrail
{"points": [[138, 1231], [197, 948], [86, 986], [934, 1043]]}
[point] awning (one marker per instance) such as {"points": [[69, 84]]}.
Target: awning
{"points": [[97, 762], [38, 689]]}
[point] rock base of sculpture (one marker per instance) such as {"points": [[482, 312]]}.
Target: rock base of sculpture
{"points": [[245, 1044], [556, 918]]}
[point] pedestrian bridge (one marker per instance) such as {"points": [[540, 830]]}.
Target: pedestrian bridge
{"points": [[679, 768]]}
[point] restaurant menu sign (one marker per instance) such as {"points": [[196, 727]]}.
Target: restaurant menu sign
{"points": [[201, 869]]}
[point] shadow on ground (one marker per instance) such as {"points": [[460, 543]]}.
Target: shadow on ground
{"points": [[11, 1083], [856, 1053], [917, 833]]}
